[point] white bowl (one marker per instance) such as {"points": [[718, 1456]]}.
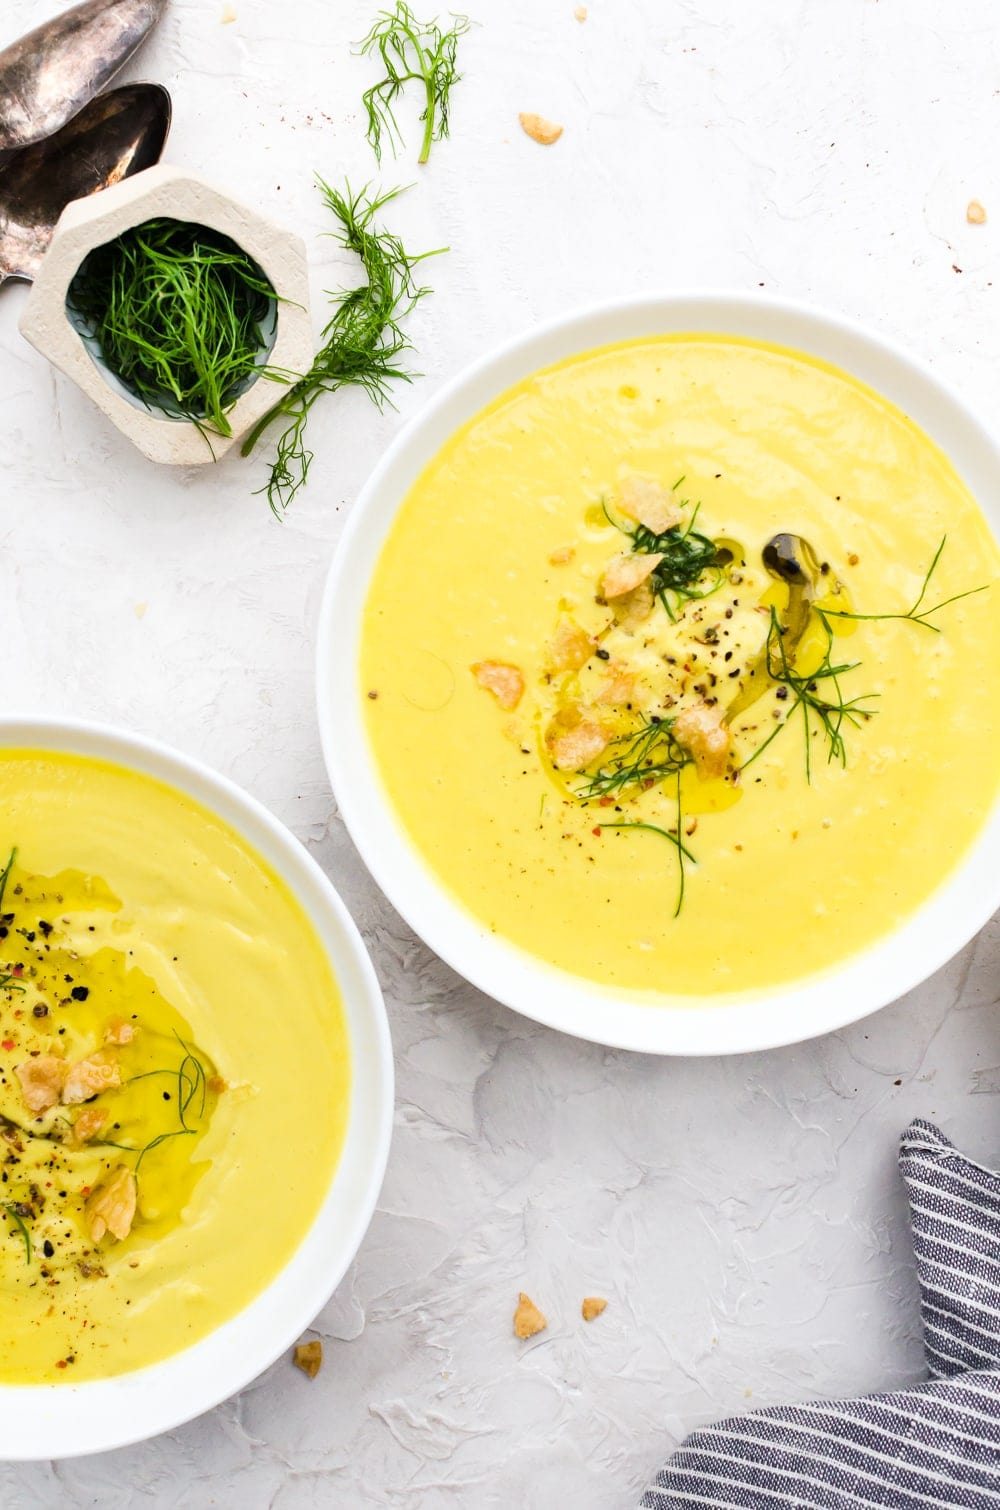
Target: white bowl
{"points": [[64, 1420], [864, 982]]}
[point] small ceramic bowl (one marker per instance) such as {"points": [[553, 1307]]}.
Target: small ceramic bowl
{"points": [[164, 192], [64, 1420], [668, 1025]]}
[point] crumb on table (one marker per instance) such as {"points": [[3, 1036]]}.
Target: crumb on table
{"points": [[528, 1319], [309, 1357]]}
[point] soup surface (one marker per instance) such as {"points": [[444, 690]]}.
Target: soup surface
{"points": [[174, 1070], [659, 672]]}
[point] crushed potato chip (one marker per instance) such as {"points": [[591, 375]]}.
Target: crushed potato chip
{"points": [[571, 647], [704, 733], [592, 1307], [539, 129], [309, 1357], [650, 503], [528, 1319], [88, 1078], [42, 1080], [627, 572], [505, 682], [89, 1123], [111, 1208], [634, 608], [578, 746], [562, 555], [975, 213]]}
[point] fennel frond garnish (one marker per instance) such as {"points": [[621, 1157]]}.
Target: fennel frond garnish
{"points": [[411, 51], [916, 614], [363, 342], [5, 873], [672, 836], [22, 1228], [178, 311]]}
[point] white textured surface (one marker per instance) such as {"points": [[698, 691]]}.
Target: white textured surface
{"points": [[743, 1216]]}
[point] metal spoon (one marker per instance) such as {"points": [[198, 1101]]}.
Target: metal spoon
{"points": [[116, 135], [52, 73]]}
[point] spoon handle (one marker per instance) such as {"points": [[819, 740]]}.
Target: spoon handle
{"points": [[50, 74]]}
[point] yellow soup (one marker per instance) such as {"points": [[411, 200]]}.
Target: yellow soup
{"points": [[173, 1070], [649, 678]]}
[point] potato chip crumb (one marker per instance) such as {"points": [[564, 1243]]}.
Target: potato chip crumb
{"points": [[634, 608], [704, 733], [42, 1080], [89, 1077], [228, 14], [309, 1357], [592, 1307], [119, 1031], [975, 213], [216, 1084], [111, 1208], [627, 572], [505, 682], [539, 129], [581, 13], [578, 747], [89, 1123], [528, 1319], [571, 647], [140, 610], [562, 555], [648, 501]]}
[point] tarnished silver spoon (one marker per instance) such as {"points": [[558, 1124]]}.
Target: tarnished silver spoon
{"points": [[49, 75], [116, 135]]}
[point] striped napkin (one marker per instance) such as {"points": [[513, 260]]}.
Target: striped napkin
{"points": [[935, 1445]]}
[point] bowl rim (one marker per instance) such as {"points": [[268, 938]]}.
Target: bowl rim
{"points": [[864, 983], [69, 1420]]}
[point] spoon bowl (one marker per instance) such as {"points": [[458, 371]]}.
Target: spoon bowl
{"points": [[114, 136], [48, 76]]}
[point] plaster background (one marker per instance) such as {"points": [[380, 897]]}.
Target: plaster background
{"points": [[743, 1216]]}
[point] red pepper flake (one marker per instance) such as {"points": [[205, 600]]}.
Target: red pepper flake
{"points": [[17, 970], [85, 1190], [596, 832], [61, 1363], [606, 802], [8, 1043]]}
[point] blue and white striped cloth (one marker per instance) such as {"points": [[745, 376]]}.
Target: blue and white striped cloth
{"points": [[937, 1444]]}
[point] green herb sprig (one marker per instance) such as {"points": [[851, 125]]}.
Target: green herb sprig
{"points": [[363, 343], [683, 853], [411, 51], [640, 759], [819, 696], [915, 615], [692, 563], [22, 1227], [192, 1081], [5, 873], [178, 311]]}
